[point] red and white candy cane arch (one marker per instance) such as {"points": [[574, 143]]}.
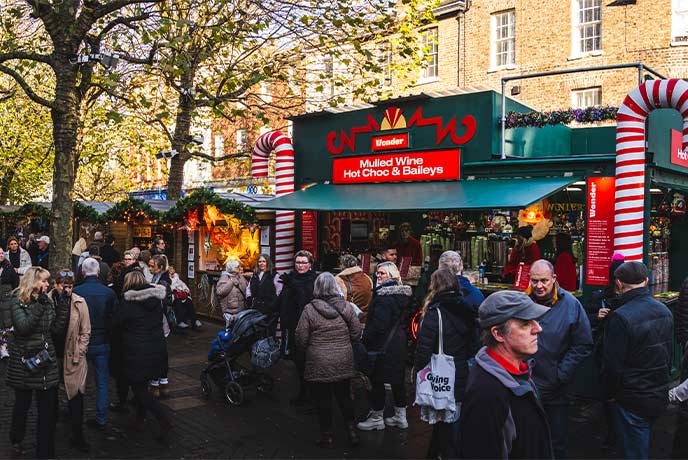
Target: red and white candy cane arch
{"points": [[629, 200], [284, 175]]}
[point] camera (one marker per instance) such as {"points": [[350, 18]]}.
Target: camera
{"points": [[38, 361]]}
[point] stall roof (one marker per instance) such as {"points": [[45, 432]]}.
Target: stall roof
{"points": [[470, 194]]}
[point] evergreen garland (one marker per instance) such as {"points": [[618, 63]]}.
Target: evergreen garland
{"points": [[200, 197], [560, 117], [31, 211], [85, 212], [130, 209]]}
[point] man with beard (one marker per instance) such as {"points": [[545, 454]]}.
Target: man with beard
{"points": [[296, 293]]}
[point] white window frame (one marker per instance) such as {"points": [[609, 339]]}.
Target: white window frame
{"points": [[594, 94], [429, 38], [266, 89], [219, 145], [503, 33], [384, 53], [241, 139], [585, 29], [679, 22]]}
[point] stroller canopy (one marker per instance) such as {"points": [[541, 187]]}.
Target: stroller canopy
{"points": [[246, 322]]}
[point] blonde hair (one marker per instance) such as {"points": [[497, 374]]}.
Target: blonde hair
{"points": [[442, 280], [29, 282], [391, 270], [133, 280]]}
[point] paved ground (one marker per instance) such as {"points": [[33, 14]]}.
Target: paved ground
{"points": [[266, 426]]}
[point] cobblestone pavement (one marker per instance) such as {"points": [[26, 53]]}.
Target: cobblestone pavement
{"points": [[266, 426]]}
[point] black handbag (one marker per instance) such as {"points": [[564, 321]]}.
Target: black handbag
{"points": [[366, 361]]}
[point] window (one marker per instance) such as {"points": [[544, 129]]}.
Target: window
{"points": [[219, 144], [384, 54], [242, 139], [679, 21], [587, 26], [503, 39], [266, 91], [429, 46], [588, 97]]}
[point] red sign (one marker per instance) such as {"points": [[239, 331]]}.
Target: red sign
{"points": [[309, 232], [397, 167], [390, 142], [600, 231], [522, 280], [678, 155]]}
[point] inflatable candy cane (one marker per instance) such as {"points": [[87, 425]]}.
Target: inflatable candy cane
{"points": [[629, 201], [284, 172]]}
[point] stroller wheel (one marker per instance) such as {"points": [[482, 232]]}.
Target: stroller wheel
{"points": [[206, 389], [234, 393], [264, 383]]}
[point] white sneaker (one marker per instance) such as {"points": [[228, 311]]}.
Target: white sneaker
{"points": [[399, 418], [373, 422], [182, 325], [198, 323]]}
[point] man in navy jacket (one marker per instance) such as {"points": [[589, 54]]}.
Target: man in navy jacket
{"points": [[637, 359], [564, 342]]}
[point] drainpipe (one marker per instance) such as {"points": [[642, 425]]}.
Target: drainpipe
{"points": [[503, 119]]}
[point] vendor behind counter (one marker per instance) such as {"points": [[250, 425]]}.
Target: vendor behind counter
{"points": [[525, 250]]}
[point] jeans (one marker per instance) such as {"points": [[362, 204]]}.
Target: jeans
{"points": [[558, 418], [377, 395], [98, 358], [632, 432], [45, 424], [322, 393]]}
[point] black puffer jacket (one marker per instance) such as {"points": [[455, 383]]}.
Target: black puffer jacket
{"points": [[681, 314], [637, 353], [390, 302], [139, 318], [263, 293], [458, 332], [295, 295], [34, 324], [9, 280]]}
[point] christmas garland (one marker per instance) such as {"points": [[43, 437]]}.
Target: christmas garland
{"points": [[85, 212], [31, 211], [200, 197], [560, 117], [131, 209]]}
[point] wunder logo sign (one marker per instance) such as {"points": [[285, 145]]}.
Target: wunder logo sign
{"points": [[397, 167]]}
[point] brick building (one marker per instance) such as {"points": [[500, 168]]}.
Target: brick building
{"points": [[478, 43]]}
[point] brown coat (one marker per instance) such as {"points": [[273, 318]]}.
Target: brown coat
{"points": [[361, 286], [232, 293], [76, 345], [325, 332]]}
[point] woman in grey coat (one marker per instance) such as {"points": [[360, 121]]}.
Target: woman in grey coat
{"points": [[325, 331]]}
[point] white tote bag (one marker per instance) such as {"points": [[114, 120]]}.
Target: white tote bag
{"points": [[435, 382]]}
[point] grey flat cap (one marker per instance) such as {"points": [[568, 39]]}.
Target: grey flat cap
{"points": [[502, 306]]}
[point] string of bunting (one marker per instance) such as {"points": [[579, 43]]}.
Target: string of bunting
{"points": [[560, 117]]}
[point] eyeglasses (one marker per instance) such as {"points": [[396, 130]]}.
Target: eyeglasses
{"points": [[66, 273], [128, 258], [301, 263]]}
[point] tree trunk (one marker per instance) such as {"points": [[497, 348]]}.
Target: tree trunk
{"points": [[180, 143], [65, 117]]}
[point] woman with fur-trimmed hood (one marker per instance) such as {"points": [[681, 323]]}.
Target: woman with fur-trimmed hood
{"points": [[386, 319], [144, 349]]}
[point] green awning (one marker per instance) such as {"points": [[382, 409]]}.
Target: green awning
{"points": [[417, 196]]}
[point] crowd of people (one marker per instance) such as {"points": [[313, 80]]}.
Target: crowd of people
{"points": [[107, 314], [515, 354]]}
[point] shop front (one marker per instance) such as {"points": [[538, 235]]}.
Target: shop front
{"points": [[434, 161]]}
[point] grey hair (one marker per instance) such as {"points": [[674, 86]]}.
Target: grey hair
{"points": [[348, 261], [391, 270], [451, 260], [544, 262], [231, 265], [326, 286], [90, 267]]}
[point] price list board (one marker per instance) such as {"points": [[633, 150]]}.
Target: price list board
{"points": [[309, 232], [600, 230]]}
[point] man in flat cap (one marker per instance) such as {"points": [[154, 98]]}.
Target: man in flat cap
{"points": [[501, 414], [637, 359]]}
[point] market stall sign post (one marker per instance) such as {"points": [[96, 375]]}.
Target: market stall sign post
{"points": [[600, 230], [398, 167]]}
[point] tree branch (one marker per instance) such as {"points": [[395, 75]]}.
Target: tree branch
{"points": [[101, 10], [122, 21], [4, 57], [25, 86], [231, 156]]}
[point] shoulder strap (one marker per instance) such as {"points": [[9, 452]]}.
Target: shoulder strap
{"points": [[349, 287]]}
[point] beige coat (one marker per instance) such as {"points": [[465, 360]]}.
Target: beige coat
{"points": [[361, 287], [76, 345], [232, 293]]}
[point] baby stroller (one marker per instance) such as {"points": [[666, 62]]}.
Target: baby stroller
{"points": [[245, 329]]}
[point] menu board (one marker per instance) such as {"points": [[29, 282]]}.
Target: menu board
{"points": [[600, 230], [309, 232]]}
